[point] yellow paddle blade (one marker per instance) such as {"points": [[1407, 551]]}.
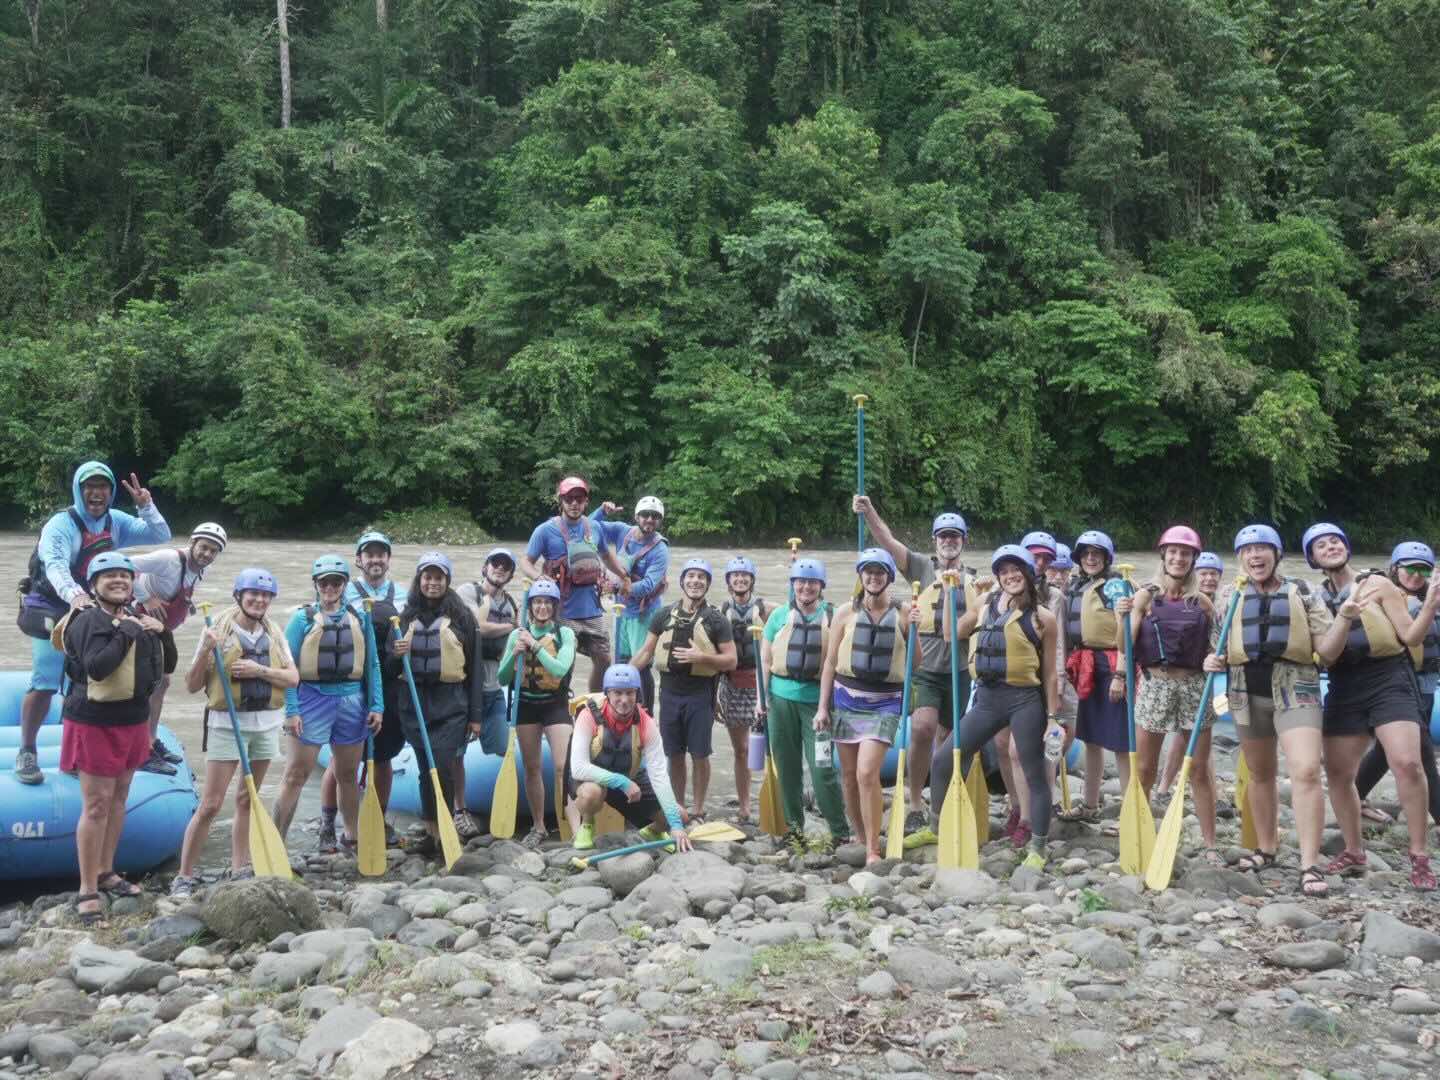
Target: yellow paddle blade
{"points": [[560, 819], [895, 834], [1133, 843], [371, 853], [713, 831], [1249, 838], [979, 795], [777, 804], [947, 857], [1064, 786], [1167, 841], [1147, 832], [772, 811], [969, 830], [505, 797], [450, 846], [609, 820], [267, 849]]}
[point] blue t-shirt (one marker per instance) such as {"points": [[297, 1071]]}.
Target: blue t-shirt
{"points": [[549, 543]]}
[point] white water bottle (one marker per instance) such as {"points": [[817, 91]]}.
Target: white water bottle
{"points": [[1054, 742], [824, 750]]}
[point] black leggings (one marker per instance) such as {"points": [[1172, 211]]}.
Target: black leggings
{"points": [[1375, 765], [447, 741], [999, 705]]}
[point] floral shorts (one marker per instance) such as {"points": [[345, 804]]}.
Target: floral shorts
{"points": [[1165, 704], [736, 705]]}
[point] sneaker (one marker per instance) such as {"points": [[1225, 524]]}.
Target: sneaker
{"points": [[1034, 860], [1421, 876], [534, 838], [155, 763], [27, 768], [325, 842], [924, 836], [245, 873], [649, 834], [466, 825], [183, 886], [160, 750], [584, 837]]}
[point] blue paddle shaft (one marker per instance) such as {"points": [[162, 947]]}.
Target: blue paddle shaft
{"points": [[1210, 675], [860, 471], [230, 703], [1129, 670]]}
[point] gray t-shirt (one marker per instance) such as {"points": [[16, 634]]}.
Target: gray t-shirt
{"points": [[934, 649], [489, 669]]}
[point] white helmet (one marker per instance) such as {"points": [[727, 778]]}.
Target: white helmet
{"points": [[208, 530], [649, 504]]}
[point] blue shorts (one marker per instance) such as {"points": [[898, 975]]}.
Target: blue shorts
{"points": [[330, 718], [47, 665], [685, 722], [494, 723]]}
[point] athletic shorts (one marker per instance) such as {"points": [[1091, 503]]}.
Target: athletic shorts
{"points": [[494, 722], [47, 665], [685, 722], [329, 718], [631, 631], [261, 745], [735, 705], [103, 751], [1370, 694], [169, 653], [590, 635], [1165, 703], [931, 690], [555, 711]]}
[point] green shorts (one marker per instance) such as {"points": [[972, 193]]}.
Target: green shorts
{"points": [[931, 690]]}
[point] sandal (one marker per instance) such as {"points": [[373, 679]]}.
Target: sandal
{"points": [[1213, 857], [1421, 876], [1375, 814], [1347, 864], [1256, 861], [1088, 814], [112, 884], [89, 918], [1313, 883]]}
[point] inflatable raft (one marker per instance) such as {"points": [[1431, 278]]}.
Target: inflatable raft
{"points": [[37, 824], [481, 769]]}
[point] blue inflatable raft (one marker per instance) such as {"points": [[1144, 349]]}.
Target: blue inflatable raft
{"points": [[37, 824]]}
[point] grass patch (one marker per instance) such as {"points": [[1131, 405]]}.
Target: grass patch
{"points": [[637, 932], [374, 977], [800, 1041], [839, 904], [796, 957], [1065, 1048], [1092, 901]]}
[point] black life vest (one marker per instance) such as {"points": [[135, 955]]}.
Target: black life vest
{"points": [[1174, 633], [334, 648], [255, 694], [741, 620], [437, 655], [1271, 626], [37, 583], [872, 652], [1088, 622], [1371, 636], [1430, 645], [499, 610], [798, 651]]}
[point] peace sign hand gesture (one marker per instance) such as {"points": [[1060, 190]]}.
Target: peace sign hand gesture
{"points": [[141, 495]]}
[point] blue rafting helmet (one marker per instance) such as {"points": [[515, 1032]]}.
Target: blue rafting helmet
{"points": [[947, 521], [1315, 532], [256, 579], [1013, 553], [542, 588], [808, 570], [1062, 560], [109, 560], [696, 564], [1096, 539], [621, 677], [501, 555], [437, 560], [1412, 551], [329, 566], [1259, 534], [740, 564], [877, 557], [1041, 540], [372, 536], [1208, 560]]}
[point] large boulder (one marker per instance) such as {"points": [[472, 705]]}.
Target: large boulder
{"points": [[702, 876], [261, 909], [114, 971], [334, 1031], [925, 969], [1385, 935], [625, 872], [387, 1048]]}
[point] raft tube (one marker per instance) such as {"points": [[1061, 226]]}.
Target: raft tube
{"points": [[481, 769]]}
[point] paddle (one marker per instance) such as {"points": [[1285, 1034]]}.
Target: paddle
{"points": [[506, 795], [450, 846], [267, 850], [710, 832], [794, 543], [1167, 843], [772, 810], [1249, 838], [1137, 826], [895, 833], [959, 845], [1064, 786], [370, 850], [860, 400]]}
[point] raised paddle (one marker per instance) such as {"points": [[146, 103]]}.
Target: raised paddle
{"points": [[267, 849], [860, 400], [772, 810], [450, 846], [710, 831], [1137, 826], [895, 834], [794, 544], [959, 845], [370, 844], [506, 795], [1167, 843]]}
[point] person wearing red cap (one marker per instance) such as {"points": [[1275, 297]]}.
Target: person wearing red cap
{"points": [[573, 550]]}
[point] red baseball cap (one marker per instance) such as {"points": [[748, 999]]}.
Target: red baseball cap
{"points": [[571, 483]]}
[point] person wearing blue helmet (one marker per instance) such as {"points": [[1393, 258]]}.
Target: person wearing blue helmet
{"points": [[260, 669], [56, 583], [1058, 572], [931, 686], [339, 699], [736, 699], [644, 553], [1209, 569], [113, 660], [1372, 694], [1013, 660], [797, 637], [691, 644], [1273, 691], [1412, 567], [861, 689]]}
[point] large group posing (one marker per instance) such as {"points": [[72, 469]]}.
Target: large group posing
{"points": [[1016, 659]]}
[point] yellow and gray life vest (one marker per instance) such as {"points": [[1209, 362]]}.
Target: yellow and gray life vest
{"points": [[1430, 645], [1271, 626], [498, 610], [614, 753], [872, 651], [436, 652], [682, 630], [537, 680], [932, 604], [334, 648], [131, 681], [1372, 636], [1007, 648], [251, 695], [798, 651], [1088, 621]]}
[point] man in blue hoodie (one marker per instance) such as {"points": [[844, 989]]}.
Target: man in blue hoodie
{"points": [[69, 540], [645, 552]]}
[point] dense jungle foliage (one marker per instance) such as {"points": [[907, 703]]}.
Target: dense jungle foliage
{"points": [[1096, 261]]}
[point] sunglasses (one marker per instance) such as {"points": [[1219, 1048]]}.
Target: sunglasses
{"points": [[949, 535], [1418, 569], [575, 496], [648, 515]]}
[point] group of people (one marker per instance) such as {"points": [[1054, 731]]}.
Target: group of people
{"points": [[1026, 654]]}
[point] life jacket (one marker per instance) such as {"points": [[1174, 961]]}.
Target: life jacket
{"points": [[1174, 633], [1430, 644], [581, 567], [436, 652], [36, 583], [679, 632], [333, 649], [798, 650], [251, 695], [134, 680], [872, 653], [499, 609], [1372, 636], [616, 752], [1007, 648], [179, 607], [629, 560], [1088, 622], [741, 620], [537, 680], [932, 604], [1271, 626]]}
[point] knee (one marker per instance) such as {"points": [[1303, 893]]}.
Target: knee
{"points": [[1342, 772], [97, 809], [588, 798], [211, 803], [1304, 774], [296, 774], [1199, 770], [1406, 767]]}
